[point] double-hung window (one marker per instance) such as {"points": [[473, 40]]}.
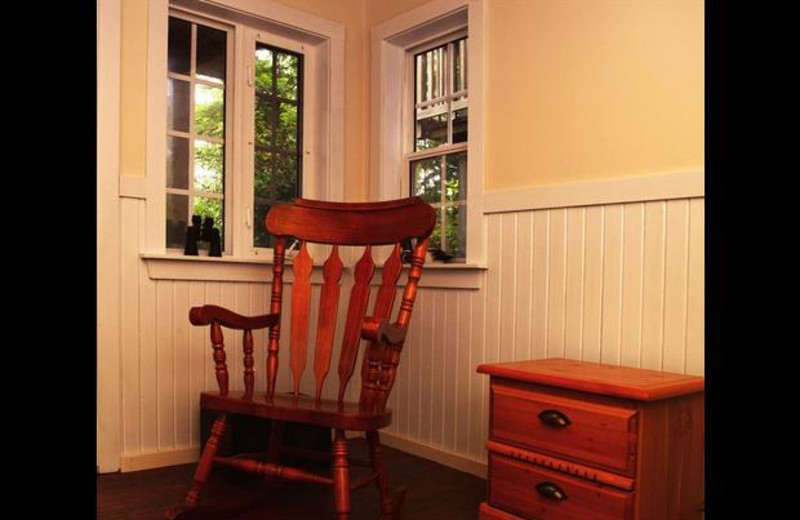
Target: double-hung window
{"points": [[438, 156]]}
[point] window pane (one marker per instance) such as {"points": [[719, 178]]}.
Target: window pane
{"points": [[208, 207], [180, 43], [265, 120], [208, 160], [435, 243], [456, 181], [431, 126], [460, 65], [288, 72], [263, 166], [285, 179], [460, 124], [211, 53], [177, 215], [263, 69], [209, 111], [260, 237], [430, 74], [177, 162], [178, 105], [427, 179], [287, 127], [456, 231]]}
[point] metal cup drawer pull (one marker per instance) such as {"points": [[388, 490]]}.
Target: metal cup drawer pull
{"points": [[554, 418], [551, 491]]}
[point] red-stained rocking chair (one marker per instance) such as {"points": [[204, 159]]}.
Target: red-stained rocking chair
{"points": [[337, 224]]}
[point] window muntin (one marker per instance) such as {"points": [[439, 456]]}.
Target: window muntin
{"points": [[440, 125], [197, 91], [277, 161]]}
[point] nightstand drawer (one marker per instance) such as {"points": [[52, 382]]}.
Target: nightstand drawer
{"points": [[534, 492], [586, 431]]}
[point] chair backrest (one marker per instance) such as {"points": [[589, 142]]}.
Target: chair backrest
{"points": [[346, 224]]}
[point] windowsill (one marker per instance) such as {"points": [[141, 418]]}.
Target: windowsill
{"points": [[240, 269]]}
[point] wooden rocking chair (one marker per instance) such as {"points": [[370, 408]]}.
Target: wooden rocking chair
{"points": [[336, 224]]}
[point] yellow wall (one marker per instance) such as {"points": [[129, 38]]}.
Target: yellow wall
{"points": [[587, 89], [133, 88]]}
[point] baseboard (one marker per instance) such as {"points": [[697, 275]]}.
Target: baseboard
{"points": [[444, 457], [158, 459]]}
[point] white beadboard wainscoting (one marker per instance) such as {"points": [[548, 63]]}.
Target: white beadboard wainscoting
{"points": [[619, 283]]}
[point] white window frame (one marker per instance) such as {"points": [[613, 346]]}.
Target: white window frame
{"points": [[393, 44], [322, 43]]}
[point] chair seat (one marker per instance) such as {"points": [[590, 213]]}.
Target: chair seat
{"points": [[303, 409]]}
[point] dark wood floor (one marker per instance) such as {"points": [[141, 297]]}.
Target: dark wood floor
{"points": [[434, 492]]}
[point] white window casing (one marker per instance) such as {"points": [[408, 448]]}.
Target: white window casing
{"points": [[321, 41], [393, 43]]}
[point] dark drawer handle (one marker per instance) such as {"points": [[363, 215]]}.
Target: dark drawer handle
{"points": [[554, 418], [551, 491]]}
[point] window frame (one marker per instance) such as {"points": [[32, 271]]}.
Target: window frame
{"points": [[323, 146], [411, 155], [230, 131], [435, 21]]}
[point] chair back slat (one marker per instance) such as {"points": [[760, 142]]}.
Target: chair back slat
{"points": [[370, 368], [249, 361], [326, 321], [344, 224], [359, 297], [301, 302]]}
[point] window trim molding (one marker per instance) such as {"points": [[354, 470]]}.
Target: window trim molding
{"points": [[331, 148], [390, 42]]}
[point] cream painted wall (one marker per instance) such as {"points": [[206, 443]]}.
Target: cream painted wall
{"points": [[133, 106], [133, 88], [588, 89]]}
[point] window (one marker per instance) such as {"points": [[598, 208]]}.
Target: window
{"points": [[278, 135], [438, 160], [197, 88], [245, 110]]}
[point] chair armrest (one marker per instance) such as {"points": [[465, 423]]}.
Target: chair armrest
{"points": [[382, 330], [207, 313]]}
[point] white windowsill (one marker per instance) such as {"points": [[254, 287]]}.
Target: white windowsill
{"points": [[239, 269]]}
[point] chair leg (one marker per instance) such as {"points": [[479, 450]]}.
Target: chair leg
{"points": [[275, 441], [206, 461], [341, 476], [378, 466]]}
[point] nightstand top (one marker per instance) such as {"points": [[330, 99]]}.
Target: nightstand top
{"points": [[629, 383]]}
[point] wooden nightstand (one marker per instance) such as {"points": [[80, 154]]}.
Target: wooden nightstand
{"points": [[570, 440]]}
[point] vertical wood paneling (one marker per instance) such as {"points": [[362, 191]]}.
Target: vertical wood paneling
{"points": [[557, 283], [632, 285], [523, 286], [540, 289], [620, 284], [593, 283], [653, 290], [675, 289], [182, 364], [612, 285], [508, 287], [450, 353], [695, 326], [131, 331], [463, 372], [165, 345], [479, 383], [197, 361], [438, 350], [573, 333], [148, 363]]}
